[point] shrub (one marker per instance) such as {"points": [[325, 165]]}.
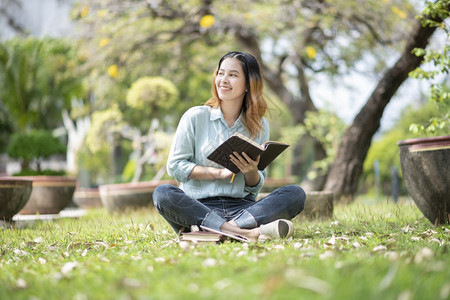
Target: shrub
{"points": [[34, 146]]}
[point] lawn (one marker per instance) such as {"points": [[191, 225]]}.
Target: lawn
{"points": [[369, 250]]}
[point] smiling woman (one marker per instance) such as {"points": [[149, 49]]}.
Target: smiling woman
{"points": [[231, 84], [206, 196]]}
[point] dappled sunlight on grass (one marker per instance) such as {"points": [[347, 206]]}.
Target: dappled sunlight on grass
{"points": [[367, 250]]}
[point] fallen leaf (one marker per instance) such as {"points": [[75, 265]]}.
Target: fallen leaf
{"points": [[21, 283], [222, 284], [379, 248], [326, 254], [38, 240], [68, 267], [210, 262], [101, 243], [20, 252], [331, 241], [428, 233], [131, 282], [437, 241], [423, 254], [104, 259], [388, 278], [298, 245], [356, 245], [84, 253], [73, 245], [405, 229]]}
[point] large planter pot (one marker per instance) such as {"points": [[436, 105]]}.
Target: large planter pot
{"points": [[50, 194], [426, 171], [87, 198], [14, 194], [126, 196]]}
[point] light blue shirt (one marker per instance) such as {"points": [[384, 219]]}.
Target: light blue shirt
{"points": [[201, 130]]}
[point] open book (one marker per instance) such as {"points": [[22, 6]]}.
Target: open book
{"points": [[240, 143], [202, 236]]}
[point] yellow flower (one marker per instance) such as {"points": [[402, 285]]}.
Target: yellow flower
{"points": [[84, 11], [207, 21], [103, 42], [112, 71], [311, 52], [399, 12], [101, 13]]}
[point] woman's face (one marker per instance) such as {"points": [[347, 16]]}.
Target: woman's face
{"points": [[230, 80]]}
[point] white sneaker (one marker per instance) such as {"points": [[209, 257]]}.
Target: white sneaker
{"points": [[277, 229]]}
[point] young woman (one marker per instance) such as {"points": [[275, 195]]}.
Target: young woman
{"points": [[206, 196]]}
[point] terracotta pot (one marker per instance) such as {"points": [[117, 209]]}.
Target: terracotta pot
{"points": [[426, 171], [50, 194], [14, 194], [125, 196], [87, 198]]}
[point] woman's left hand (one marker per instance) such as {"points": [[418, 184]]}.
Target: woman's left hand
{"points": [[244, 162]]}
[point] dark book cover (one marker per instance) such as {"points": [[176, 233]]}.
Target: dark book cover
{"points": [[240, 143]]}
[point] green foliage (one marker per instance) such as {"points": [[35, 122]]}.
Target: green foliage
{"points": [[385, 152], [324, 126], [97, 164], [149, 98], [37, 80], [34, 145], [128, 171], [366, 251], [437, 64], [5, 127], [29, 172], [140, 46]]}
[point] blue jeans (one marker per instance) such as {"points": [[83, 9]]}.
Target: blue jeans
{"points": [[181, 211]]}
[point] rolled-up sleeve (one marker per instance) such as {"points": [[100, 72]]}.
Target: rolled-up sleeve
{"points": [[180, 161], [254, 190]]}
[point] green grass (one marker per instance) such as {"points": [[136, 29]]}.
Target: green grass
{"points": [[369, 250]]}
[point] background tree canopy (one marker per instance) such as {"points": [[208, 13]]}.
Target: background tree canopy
{"points": [[38, 79], [295, 41]]}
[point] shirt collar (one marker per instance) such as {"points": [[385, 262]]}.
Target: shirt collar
{"points": [[216, 113]]}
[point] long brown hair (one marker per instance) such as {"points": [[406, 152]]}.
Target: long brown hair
{"points": [[254, 106]]}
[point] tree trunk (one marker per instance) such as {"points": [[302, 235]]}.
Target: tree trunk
{"points": [[345, 172]]}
